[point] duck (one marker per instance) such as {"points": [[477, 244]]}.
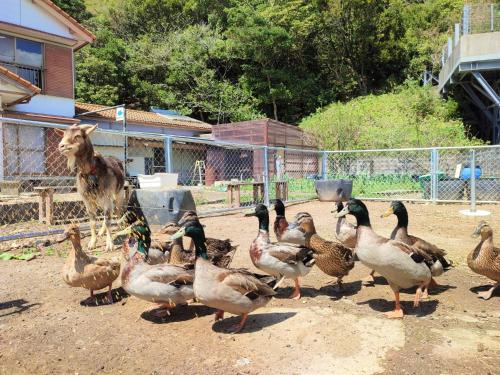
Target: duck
{"points": [[484, 259], [236, 291], [402, 265], [220, 252], [278, 259], [285, 231], [164, 284], [400, 233], [345, 232], [85, 271], [135, 224], [331, 257]]}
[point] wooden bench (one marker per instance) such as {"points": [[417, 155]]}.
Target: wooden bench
{"points": [[46, 200], [234, 192]]}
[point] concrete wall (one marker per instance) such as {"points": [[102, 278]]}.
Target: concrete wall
{"points": [[470, 48]]}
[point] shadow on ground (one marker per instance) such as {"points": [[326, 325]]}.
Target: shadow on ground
{"points": [[19, 306], [382, 305], [179, 314], [484, 288], [101, 298], [255, 322]]}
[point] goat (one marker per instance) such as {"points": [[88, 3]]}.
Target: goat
{"points": [[99, 180]]}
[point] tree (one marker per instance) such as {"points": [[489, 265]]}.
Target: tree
{"points": [[409, 116], [75, 8]]}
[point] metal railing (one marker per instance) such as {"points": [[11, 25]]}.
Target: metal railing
{"points": [[30, 163], [476, 19], [29, 73]]}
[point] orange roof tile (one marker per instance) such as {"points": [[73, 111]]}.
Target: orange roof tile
{"points": [[142, 117], [26, 84]]}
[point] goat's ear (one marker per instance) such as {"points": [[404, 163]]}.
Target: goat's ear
{"points": [[88, 129], [59, 132]]}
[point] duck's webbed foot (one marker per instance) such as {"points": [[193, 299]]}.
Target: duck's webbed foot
{"points": [[487, 294], [238, 327], [369, 280]]}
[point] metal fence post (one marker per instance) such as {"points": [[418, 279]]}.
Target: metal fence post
{"points": [[473, 181], [167, 149], [324, 166], [434, 174], [265, 175], [492, 17], [466, 20]]}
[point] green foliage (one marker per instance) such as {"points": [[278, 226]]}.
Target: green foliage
{"points": [[410, 116], [232, 60], [75, 8]]}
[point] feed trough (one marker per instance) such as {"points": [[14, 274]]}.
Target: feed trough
{"points": [[161, 206], [334, 190]]}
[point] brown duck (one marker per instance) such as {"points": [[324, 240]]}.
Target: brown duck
{"points": [[84, 271], [485, 258], [332, 257]]}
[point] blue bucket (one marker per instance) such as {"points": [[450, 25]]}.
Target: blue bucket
{"points": [[466, 173]]}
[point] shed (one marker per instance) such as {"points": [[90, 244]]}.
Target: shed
{"points": [[265, 132]]}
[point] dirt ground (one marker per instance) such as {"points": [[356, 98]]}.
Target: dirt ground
{"points": [[46, 327]]}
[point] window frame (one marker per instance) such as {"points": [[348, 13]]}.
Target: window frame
{"points": [[18, 65]]}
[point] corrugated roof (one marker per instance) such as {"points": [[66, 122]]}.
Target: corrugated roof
{"points": [[143, 117]]}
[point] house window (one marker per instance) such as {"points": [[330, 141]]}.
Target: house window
{"points": [[24, 150], [23, 57], [158, 160]]}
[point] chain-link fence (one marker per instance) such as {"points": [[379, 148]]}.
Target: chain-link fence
{"points": [[38, 189]]}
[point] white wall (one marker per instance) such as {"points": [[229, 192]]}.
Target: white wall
{"points": [[47, 105], [28, 14], [117, 152]]}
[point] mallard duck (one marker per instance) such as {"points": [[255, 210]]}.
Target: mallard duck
{"points": [[165, 284], [84, 271], [485, 258], [135, 224], [402, 265], [285, 231], [219, 252], [278, 259], [333, 258], [345, 232], [400, 233], [236, 291]]}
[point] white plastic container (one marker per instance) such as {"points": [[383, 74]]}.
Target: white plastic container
{"points": [[158, 181]]}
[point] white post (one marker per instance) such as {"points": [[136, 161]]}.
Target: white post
{"points": [[450, 46], [457, 33]]}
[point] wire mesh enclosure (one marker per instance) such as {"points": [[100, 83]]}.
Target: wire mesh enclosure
{"points": [[38, 188]]}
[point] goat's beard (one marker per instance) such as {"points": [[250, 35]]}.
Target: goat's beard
{"points": [[71, 162]]}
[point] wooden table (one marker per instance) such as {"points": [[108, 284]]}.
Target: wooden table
{"points": [[46, 200], [281, 190], [234, 192]]}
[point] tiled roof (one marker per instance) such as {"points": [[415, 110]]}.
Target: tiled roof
{"points": [[26, 84], [70, 19], [142, 117]]}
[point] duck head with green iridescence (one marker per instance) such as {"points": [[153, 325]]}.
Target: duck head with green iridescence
{"points": [[194, 230], [398, 208], [138, 230], [262, 214], [358, 209]]}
